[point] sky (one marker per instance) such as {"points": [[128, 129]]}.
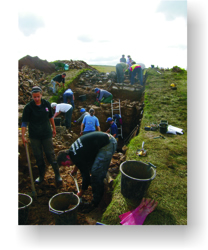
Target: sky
{"points": [[152, 32]]}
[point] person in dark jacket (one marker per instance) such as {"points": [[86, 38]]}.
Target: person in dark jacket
{"points": [[120, 69], [57, 80], [91, 154], [39, 115]]}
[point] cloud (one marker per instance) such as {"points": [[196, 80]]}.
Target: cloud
{"points": [[180, 47], [29, 23], [173, 9], [85, 38]]}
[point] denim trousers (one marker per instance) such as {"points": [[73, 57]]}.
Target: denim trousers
{"points": [[54, 86], [100, 167], [70, 97], [140, 73]]}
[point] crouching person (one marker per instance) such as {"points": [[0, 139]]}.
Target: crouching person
{"points": [[91, 154]]}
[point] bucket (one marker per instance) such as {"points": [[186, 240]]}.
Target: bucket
{"points": [[64, 208], [57, 121], [136, 177], [66, 67], [163, 126], [24, 201], [82, 97]]}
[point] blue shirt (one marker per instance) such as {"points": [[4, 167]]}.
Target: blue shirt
{"points": [[103, 93], [90, 122], [68, 91], [114, 129]]}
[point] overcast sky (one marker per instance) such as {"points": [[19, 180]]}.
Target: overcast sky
{"points": [[151, 31]]}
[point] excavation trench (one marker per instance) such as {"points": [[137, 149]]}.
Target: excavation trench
{"points": [[131, 106]]}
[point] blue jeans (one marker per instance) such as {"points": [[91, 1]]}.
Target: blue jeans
{"points": [[69, 96], [100, 167], [140, 73], [54, 86]]}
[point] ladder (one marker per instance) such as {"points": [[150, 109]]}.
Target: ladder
{"points": [[119, 110]]}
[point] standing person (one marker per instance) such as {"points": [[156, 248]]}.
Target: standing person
{"points": [[90, 123], [91, 154], [129, 62], [113, 130], [103, 96], [68, 94], [84, 113], [57, 80], [120, 68], [65, 108], [39, 115], [123, 59], [136, 68]]}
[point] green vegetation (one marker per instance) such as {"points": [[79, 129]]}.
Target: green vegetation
{"points": [[103, 68], [71, 76], [169, 155]]}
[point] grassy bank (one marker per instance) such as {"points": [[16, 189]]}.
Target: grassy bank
{"points": [[103, 68], [169, 155]]}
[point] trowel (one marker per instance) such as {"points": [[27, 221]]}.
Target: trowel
{"points": [[142, 152]]}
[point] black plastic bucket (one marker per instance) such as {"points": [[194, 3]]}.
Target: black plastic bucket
{"points": [[64, 208], [163, 126], [82, 97], [57, 121], [136, 177], [24, 201]]}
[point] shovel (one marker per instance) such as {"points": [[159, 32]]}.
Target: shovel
{"points": [[142, 152], [76, 183], [30, 171]]}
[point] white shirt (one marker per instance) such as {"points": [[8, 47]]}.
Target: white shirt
{"points": [[63, 107]]}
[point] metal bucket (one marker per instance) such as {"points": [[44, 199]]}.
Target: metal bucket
{"points": [[64, 208], [24, 201], [136, 177]]}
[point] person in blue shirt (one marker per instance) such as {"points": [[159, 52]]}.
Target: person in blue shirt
{"points": [[68, 94], [90, 123], [113, 130], [103, 96]]}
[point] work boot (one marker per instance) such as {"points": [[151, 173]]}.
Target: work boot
{"points": [[41, 170], [56, 171]]}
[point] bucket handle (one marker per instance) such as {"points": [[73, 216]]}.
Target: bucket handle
{"points": [[51, 210], [150, 164]]}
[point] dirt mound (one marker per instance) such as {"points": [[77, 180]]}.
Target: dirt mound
{"points": [[36, 63]]}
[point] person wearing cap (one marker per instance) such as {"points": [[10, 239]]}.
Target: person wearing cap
{"points": [[103, 96], [84, 113], [57, 80], [90, 123], [136, 69], [113, 130], [68, 94], [91, 154], [120, 69], [123, 59], [38, 114], [63, 108]]}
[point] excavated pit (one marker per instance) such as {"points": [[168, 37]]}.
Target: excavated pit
{"points": [[131, 103]]}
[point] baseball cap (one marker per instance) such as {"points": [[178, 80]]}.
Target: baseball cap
{"points": [[96, 90], [109, 119], [82, 110]]}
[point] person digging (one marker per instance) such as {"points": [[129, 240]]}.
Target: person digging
{"points": [[91, 154], [103, 96]]}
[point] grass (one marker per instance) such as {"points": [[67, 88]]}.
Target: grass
{"points": [[103, 68], [169, 155]]}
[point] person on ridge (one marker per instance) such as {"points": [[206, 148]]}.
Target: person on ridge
{"points": [[103, 96], [123, 59], [136, 69], [120, 69], [57, 80], [90, 123]]}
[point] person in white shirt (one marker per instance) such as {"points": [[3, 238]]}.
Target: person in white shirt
{"points": [[65, 108]]}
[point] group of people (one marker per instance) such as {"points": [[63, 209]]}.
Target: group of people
{"points": [[91, 153], [132, 69]]}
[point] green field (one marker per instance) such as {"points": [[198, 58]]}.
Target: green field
{"points": [[104, 68]]}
